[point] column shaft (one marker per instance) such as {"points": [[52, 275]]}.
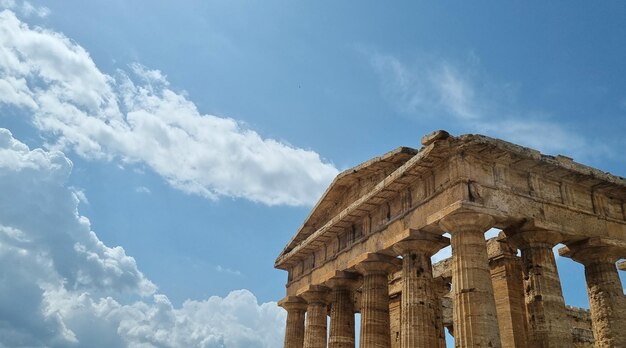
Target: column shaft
{"points": [[315, 331], [294, 333], [474, 310], [341, 319], [375, 321], [508, 287], [375, 311], [474, 315], [606, 302], [606, 295], [420, 326], [547, 316], [294, 330]]}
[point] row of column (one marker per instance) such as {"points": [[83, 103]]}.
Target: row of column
{"points": [[475, 313], [421, 322]]}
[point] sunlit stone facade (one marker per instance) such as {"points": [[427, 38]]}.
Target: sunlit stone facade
{"points": [[367, 245]]}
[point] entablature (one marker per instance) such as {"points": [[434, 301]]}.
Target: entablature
{"points": [[514, 184]]}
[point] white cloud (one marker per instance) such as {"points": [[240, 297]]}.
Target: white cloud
{"points": [[221, 269], [459, 93], [26, 8], [138, 118], [62, 287], [142, 189]]}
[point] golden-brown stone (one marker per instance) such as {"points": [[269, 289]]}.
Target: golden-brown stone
{"points": [[294, 330], [342, 310], [475, 319], [545, 305], [508, 287], [606, 295], [315, 328], [375, 322], [464, 185], [420, 323]]}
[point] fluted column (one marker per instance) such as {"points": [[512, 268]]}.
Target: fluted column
{"points": [[420, 325], [375, 328], [315, 329], [508, 287], [342, 310], [294, 330], [474, 314], [546, 313], [606, 295]]}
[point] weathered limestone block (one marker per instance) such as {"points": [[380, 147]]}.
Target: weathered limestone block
{"points": [[375, 324], [294, 330], [342, 310], [580, 321], [547, 322], [606, 295], [315, 329], [475, 319], [420, 325], [508, 287]]}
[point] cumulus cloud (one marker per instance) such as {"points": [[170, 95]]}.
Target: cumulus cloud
{"points": [[459, 92], [60, 286], [136, 117]]}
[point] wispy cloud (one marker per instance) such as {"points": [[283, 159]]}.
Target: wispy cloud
{"points": [[25, 8], [221, 269], [462, 93], [136, 117], [142, 189]]}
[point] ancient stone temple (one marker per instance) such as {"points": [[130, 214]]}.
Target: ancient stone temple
{"points": [[366, 248]]}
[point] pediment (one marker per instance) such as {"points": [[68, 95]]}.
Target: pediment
{"points": [[348, 187]]}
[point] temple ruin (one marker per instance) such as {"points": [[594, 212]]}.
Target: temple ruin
{"points": [[366, 248]]}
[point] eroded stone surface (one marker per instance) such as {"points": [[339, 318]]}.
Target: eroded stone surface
{"points": [[374, 207]]}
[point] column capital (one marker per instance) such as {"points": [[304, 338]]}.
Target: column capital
{"points": [[292, 303], [343, 280], [421, 242], [593, 250], [527, 238], [466, 221], [316, 294], [375, 263]]}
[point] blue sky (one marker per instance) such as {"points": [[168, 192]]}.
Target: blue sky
{"points": [[158, 155]]}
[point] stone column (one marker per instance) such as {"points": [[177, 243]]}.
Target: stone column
{"points": [[546, 313], [474, 317], [442, 289], [342, 310], [315, 330], [294, 330], [420, 326], [375, 329], [508, 287], [606, 295]]}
